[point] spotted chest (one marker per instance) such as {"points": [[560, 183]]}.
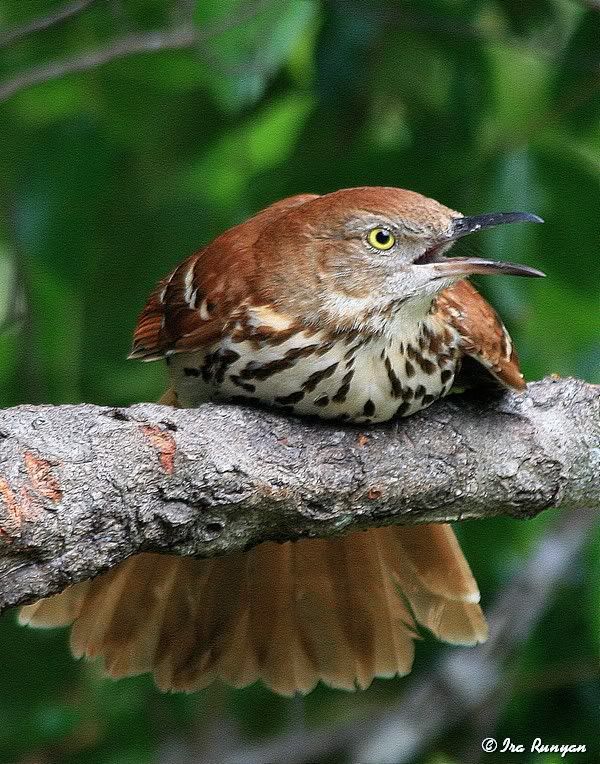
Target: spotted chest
{"points": [[351, 375]]}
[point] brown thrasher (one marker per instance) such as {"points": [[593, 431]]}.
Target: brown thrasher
{"points": [[340, 305]]}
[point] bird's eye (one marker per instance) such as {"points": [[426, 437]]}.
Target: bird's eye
{"points": [[381, 238]]}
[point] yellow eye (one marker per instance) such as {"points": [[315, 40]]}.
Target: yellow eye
{"points": [[381, 238]]}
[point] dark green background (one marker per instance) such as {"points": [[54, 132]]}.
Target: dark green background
{"points": [[110, 177]]}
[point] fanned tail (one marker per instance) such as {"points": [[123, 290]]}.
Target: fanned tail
{"points": [[342, 611]]}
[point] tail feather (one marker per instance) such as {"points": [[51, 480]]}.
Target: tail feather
{"points": [[396, 644], [353, 607], [342, 611], [316, 606], [212, 604], [275, 622], [438, 562], [443, 599], [177, 638], [96, 614], [129, 642], [59, 610], [365, 609]]}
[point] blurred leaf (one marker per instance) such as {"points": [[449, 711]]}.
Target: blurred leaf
{"points": [[571, 232], [346, 37], [56, 721], [524, 18], [59, 338], [521, 83], [593, 599], [223, 173], [7, 287], [576, 92], [259, 711], [244, 59], [59, 99]]}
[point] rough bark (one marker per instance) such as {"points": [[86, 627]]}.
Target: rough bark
{"points": [[83, 487]]}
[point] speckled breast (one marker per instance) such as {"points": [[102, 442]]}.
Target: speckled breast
{"points": [[349, 376]]}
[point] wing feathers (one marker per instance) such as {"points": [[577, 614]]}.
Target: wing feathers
{"points": [[188, 309], [483, 334]]}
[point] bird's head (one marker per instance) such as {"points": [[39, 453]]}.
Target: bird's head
{"points": [[357, 254]]}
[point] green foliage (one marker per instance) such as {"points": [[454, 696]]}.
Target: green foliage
{"points": [[110, 176]]}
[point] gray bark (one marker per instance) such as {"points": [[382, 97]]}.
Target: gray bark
{"points": [[83, 487]]}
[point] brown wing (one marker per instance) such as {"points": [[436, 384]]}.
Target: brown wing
{"points": [[484, 336], [190, 307]]}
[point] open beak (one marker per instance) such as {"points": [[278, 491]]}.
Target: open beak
{"points": [[467, 266]]}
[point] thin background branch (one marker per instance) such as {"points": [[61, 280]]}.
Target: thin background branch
{"points": [[593, 5], [184, 35], [38, 24]]}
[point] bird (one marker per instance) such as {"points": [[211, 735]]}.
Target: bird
{"points": [[343, 306]]}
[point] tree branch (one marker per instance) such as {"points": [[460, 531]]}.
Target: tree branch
{"points": [[38, 24], [172, 39], [84, 487], [593, 5], [177, 37]]}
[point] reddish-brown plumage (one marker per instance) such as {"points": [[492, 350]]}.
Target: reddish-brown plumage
{"points": [[275, 260], [483, 333], [341, 306], [223, 273]]}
